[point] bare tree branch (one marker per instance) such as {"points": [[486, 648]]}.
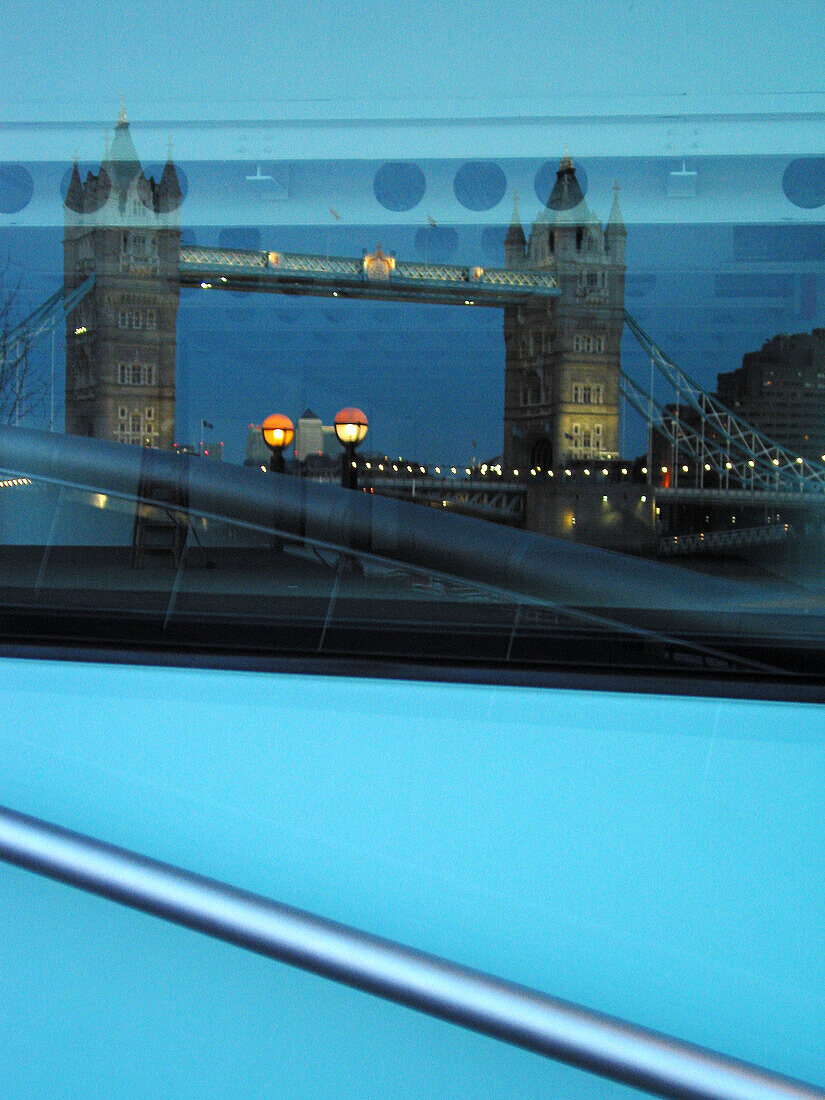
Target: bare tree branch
{"points": [[23, 385]]}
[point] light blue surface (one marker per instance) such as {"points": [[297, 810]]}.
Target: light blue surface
{"points": [[657, 858], [210, 55]]}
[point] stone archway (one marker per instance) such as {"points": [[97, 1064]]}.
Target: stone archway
{"points": [[541, 454]]}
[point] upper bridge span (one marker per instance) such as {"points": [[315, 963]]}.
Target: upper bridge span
{"points": [[374, 275]]}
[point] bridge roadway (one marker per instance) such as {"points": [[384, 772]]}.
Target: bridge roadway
{"points": [[372, 276], [503, 501], [507, 496], [807, 496], [490, 498]]}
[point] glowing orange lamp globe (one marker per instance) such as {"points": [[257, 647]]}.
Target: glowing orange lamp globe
{"points": [[278, 431], [350, 426]]}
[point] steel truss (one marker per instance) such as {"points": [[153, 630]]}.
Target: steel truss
{"points": [[723, 448], [43, 320], [730, 539], [377, 276], [496, 499]]}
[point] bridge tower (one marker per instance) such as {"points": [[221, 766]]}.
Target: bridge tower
{"points": [[120, 343], [562, 356]]}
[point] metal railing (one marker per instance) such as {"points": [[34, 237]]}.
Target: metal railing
{"points": [[503, 1010]]}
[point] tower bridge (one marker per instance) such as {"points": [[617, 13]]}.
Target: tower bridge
{"points": [[562, 296]]}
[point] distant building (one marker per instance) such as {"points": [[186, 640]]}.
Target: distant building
{"points": [[561, 383], [780, 390], [210, 450], [315, 444], [120, 342], [313, 439], [257, 452]]}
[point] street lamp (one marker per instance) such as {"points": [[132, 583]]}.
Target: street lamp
{"points": [[278, 433], [350, 428]]}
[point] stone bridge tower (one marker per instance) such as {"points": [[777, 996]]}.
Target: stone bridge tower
{"points": [[562, 358], [120, 342]]}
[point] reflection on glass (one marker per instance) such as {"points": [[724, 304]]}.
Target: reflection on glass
{"points": [[556, 378]]}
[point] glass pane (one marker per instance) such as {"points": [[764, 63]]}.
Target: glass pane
{"points": [[412, 370]]}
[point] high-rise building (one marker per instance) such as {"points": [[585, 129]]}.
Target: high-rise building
{"points": [[561, 388], [123, 228], [780, 390]]}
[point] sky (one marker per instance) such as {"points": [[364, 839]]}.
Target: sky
{"points": [[80, 56], [411, 368]]}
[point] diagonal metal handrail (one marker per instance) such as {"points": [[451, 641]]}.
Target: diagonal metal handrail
{"points": [[517, 1015]]}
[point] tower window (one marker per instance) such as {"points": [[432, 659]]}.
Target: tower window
{"points": [[136, 374], [139, 428], [531, 389], [587, 342], [592, 282], [588, 393]]}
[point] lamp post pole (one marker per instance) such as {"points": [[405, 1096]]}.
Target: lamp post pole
{"points": [[278, 433], [350, 428]]}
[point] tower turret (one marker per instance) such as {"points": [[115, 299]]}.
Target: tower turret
{"points": [[121, 163], [515, 243], [124, 228], [615, 234], [561, 387], [169, 195]]}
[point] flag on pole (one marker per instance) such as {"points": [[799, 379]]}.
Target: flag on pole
{"points": [[207, 424]]}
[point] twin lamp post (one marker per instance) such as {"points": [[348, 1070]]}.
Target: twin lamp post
{"points": [[350, 428]]}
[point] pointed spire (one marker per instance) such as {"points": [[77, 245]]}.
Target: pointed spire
{"points": [[121, 162], [169, 193], [567, 192], [515, 234], [615, 234], [74, 192], [515, 241], [615, 222]]}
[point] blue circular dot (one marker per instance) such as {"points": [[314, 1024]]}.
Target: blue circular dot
{"points": [[156, 172], [803, 182], [546, 176], [16, 188], [399, 185], [101, 195], [479, 184]]}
